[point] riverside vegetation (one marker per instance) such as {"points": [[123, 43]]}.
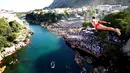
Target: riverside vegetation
{"points": [[8, 32], [47, 17], [14, 34]]}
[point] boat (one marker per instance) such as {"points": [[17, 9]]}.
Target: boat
{"points": [[52, 64]]}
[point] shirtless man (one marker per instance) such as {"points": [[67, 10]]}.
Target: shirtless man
{"points": [[98, 24]]}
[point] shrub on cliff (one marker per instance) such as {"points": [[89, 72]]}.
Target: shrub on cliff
{"points": [[8, 32], [8, 44], [4, 42], [86, 23], [15, 26], [12, 37], [66, 13], [20, 15], [119, 20], [4, 27], [91, 12], [50, 17]]}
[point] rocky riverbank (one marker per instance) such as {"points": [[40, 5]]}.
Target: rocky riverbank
{"points": [[76, 38], [80, 41], [89, 47]]}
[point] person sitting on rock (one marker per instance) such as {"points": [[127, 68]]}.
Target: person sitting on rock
{"points": [[98, 24]]}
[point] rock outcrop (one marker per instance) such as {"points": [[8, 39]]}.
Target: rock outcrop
{"points": [[105, 56]]}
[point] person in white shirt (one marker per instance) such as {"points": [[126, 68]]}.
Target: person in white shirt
{"points": [[98, 24]]}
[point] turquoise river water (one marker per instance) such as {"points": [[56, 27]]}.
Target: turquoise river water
{"points": [[44, 48]]}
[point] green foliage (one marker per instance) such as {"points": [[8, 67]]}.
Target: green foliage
{"points": [[4, 27], [12, 37], [4, 42], [38, 10], [8, 44], [42, 13], [102, 35], [20, 15], [90, 12], [24, 22], [66, 13], [15, 26], [86, 23], [8, 32], [119, 20], [46, 17], [50, 17]]}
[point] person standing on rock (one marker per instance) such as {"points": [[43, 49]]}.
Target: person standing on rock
{"points": [[98, 24]]}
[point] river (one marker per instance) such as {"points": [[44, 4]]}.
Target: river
{"points": [[44, 48]]}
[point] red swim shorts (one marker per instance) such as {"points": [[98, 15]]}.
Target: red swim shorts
{"points": [[96, 25]]}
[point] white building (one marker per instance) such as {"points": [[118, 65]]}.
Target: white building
{"points": [[111, 8], [115, 7], [124, 7], [104, 7]]}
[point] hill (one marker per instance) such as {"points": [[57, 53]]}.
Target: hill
{"points": [[79, 3]]}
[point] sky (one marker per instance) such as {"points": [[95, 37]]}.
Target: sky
{"points": [[24, 5]]}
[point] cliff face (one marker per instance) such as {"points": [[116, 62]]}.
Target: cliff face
{"points": [[79, 3], [68, 3]]}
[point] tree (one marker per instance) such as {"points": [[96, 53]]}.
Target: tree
{"points": [[66, 13], [4, 27], [4, 42], [15, 26], [86, 23], [47, 18], [85, 13], [12, 37]]}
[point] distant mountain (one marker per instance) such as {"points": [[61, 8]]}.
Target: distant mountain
{"points": [[79, 3], [68, 3]]}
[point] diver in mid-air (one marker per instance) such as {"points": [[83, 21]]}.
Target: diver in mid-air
{"points": [[98, 24]]}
